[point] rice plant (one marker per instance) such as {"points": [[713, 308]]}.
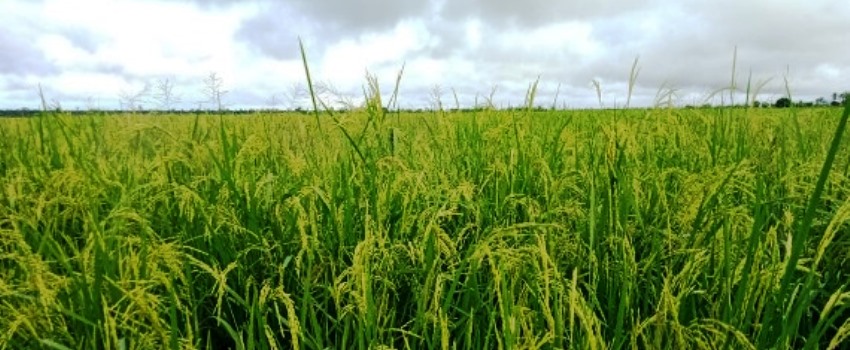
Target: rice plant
{"points": [[605, 229]]}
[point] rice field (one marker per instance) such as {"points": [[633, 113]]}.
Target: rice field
{"points": [[724, 228]]}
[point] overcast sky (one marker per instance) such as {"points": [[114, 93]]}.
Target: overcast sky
{"points": [[85, 54]]}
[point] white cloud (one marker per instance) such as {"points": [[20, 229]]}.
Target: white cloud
{"points": [[346, 61], [101, 47], [556, 38], [151, 38], [61, 51]]}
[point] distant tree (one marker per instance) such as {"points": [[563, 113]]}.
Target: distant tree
{"points": [[801, 103], [214, 90], [820, 101], [134, 100], [273, 102], [91, 105], [329, 94], [782, 102], [295, 94], [164, 94], [55, 105]]}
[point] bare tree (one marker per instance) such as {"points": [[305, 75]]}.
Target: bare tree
{"points": [[164, 94], [295, 93], [91, 104], [273, 102], [329, 93], [214, 90], [134, 100]]}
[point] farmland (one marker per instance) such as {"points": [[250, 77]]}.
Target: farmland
{"points": [[597, 229]]}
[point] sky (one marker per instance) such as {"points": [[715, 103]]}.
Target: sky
{"points": [[111, 54]]}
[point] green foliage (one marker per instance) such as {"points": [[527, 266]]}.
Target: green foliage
{"points": [[661, 229], [782, 102]]}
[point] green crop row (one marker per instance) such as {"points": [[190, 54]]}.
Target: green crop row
{"points": [[657, 229]]}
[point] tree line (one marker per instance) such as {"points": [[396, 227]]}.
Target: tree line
{"points": [[838, 99], [161, 96]]}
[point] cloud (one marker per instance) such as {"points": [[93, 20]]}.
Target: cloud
{"points": [[19, 57], [356, 17], [276, 26], [271, 36], [463, 46], [534, 13]]}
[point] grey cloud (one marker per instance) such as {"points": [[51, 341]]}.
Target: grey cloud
{"points": [[347, 16], [687, 47], [686, 44], [17, 92], [450, 37], [693, 47], [354, 16], [110, 68], [495, 59], [14, 84], [19, 57], [82, 38], [532, 13], [778, 26], [275, 30]]}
